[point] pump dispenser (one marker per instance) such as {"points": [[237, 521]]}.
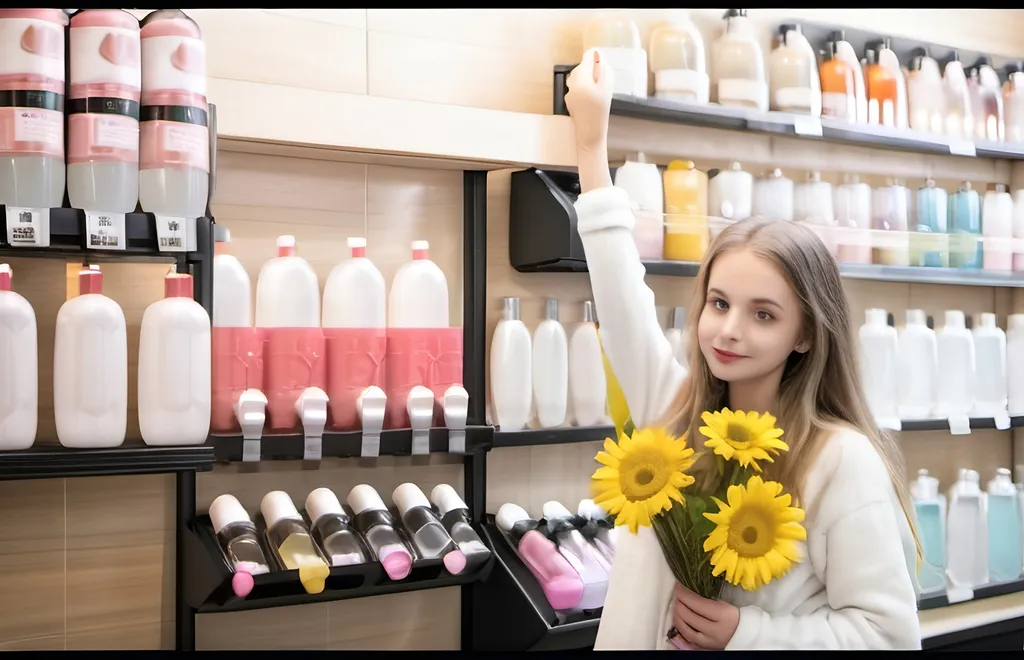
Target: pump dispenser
{"points": [[794, 73], [925, 95], [882, 86], [511, 369], [838, 85], [959, 113], [738, 76], [845, 52], [19, 377], [550, 369]]}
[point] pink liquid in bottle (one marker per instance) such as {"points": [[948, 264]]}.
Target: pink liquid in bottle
{"points": [[562, 585]]}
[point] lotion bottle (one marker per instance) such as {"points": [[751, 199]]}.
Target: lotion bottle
{"points": [[511, 369], [560, 582], [583, 556], [587, 384], [550, 369]]}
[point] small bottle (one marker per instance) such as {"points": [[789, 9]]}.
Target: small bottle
{"points": [[583, 556], [588, 387], [550, 369], [560, 582], [882, 87], [426, 530], [838, 85], [237, 536], [332, 529], [455, 518], [290, 540], [599, 529], [374, 522]]}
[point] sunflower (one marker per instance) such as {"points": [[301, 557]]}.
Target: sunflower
{"points": [[641, 476], [747, 437], [754, 541]]}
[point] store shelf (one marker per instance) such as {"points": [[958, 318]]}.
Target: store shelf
{"points": [[511, 613], [561, 436], [208, 579], [46, 462], [932, 601], [394, 442], [943, 425]]}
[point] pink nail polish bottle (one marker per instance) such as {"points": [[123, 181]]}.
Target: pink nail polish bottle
{"points": [[561, 584]]}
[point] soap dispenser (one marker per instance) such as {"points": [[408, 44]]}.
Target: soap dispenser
{"points": [[925, 94], [967, 532], [738, 77], [794, 73], [930, 512], [642, 182], [882, 87], [959, 115], [838, 85], [879, 365], [845, 52], [918, 368], [676, 55], [1004, 528], [617, 38], [955, 389]]}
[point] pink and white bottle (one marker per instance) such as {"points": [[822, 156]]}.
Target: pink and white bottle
{"points": [[19, 379], [354, 323], [424, 354], [562, 585], [103, 111], [174, 142], [32, 123], [582, 555], [288, 311], [376, 524]]}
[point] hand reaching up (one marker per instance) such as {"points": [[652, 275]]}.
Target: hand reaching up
{"points": [[589, 101]]}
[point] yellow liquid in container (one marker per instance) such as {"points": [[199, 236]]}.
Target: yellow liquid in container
{"points": [[686, 212], [297, 553]]}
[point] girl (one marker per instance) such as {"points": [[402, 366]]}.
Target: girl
{"points": [[772, 333]]}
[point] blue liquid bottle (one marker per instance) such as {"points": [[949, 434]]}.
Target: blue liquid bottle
{"points": [[965, 228], [929, 243], [930, 510], [1004, 529]]}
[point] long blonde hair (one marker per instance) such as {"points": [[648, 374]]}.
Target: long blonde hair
{"points": [[821, 387]]}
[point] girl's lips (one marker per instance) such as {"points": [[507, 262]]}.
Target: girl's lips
{"points": [[727, 356]]}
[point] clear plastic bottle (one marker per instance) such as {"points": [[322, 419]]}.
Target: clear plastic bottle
{"points": [[929, 243], [237, 536], [374, 522], [290, 540], [794, 73], [456, 520], [425, 529], [332, 529], [925, 95], [738, 76], [773, 196], [959, 115], [617, 38], [965, 246], [677, 61]]}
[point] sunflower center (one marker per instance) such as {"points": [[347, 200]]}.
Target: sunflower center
{"points": [[644, 473], [750, 533], [644, 476], [739, 435]]}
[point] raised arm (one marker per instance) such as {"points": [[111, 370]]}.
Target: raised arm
{"points": [[639, 353]]}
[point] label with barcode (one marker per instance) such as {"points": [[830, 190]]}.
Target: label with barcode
{"points": [[28, 227], [171, 233], [106, 231]]}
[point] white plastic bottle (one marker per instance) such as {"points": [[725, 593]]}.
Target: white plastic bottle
{"points": [[773, 196], [588, 388], [511, 370], [643, 183], [90, 368], [930, 514], [1005, 540], [1015, 363], [879, 362], [730, 193], [19, 377], [232, 288], [967, 532], [997, 228], [355, 295], [955, 389], [174, 367], [103, 120], [676, 336], [990, 358], [918, 368], [419, 292], [287, 290], [617, 38], [550, 369]]}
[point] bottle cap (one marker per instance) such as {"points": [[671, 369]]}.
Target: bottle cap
{"points": [[1015, 321], [276, 506], [588, 312], [509, 514], [915, 317], [409, 496], [511, 309], [988, 320], [6, 274], [320, 502], [221, 240], [90, 280], [446, 499], [226, 510], [551, 309], [364, 498], [591, 511], [358, 246], [955, 319], [178, 285], [876, 316], [554, 510], [420, 250], [286, 245]]}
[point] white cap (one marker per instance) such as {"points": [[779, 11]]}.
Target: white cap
{"points": [[591, 511], [446, 499], [509, 514], [356, 242], [554, 510], [421, 245], [276, 506], [409, 496], [988, 320], [322, 501], [876, 316], [226, 510], [364, 498], [286, 240], [915, 317], [955, 318], [1014, 321]]}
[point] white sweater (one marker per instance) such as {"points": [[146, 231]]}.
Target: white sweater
{"points": [[856, 587]]}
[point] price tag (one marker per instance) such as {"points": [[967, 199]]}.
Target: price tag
{"points": [[1002, 421], [807, 125], [959, 594], [959, 425], [106, 231], [28, 227], [962, 148], [171, 233]]}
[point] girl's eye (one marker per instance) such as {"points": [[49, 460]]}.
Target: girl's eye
{"points": [[763, 316], [718, 303]]}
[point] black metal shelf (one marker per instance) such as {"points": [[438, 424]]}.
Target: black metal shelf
{"points": [[393, 442], [943, 425], [49, 461], [208, 581], [512, 614], [559, 436], [933, 601]]}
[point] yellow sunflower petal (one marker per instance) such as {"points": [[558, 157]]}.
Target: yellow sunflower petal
{"points": [[605, 473], [607, 459], [612, 449]]}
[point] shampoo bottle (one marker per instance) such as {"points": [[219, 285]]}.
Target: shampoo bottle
{"points": [[511, 369], [918, 368], [990, 358], [1004, 528], [561, 583], [587, 387], [582, 555], [550, 369], [955, 389], [930, 511], [967, 532]]}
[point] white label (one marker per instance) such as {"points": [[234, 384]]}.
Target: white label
{"points": [[630, 65], [171, 233], [106, 231], [1002, 421], [840, 106], [117, 134], [28, 227], [807, 125], [186, 141], [962, 148], [959, 425], [38, 126], [682, 84], [959, 594], [733, 91], [793, 98]]}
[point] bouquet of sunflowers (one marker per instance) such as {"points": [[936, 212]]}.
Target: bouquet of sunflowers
{"points": [[737, 528]]}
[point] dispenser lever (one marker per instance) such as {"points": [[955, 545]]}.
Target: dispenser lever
{"points": [[421, 417], [370, 406], [456, 410], [311, 407], [251, 412]]}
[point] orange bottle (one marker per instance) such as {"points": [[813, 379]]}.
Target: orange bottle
{"points": [[838, 93], [881, 87]]}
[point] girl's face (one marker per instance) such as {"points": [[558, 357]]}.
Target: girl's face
{"points": [[752, 320]]}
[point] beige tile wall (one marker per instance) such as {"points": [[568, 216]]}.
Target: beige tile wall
{"points": [[89, 563]]}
